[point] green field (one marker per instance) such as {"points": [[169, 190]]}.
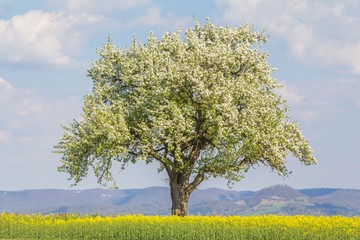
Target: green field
{"points": [[14, 226]]}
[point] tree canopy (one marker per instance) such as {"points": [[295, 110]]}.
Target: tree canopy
{"points": [[200, 103]]}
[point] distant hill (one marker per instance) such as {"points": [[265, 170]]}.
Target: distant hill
{"points": [[279, 199]]}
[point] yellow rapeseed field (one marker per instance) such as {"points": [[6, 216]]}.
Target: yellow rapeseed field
{"points": [[13, 226]]}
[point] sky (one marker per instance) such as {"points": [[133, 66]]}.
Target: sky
{"points": [[46, 47]]}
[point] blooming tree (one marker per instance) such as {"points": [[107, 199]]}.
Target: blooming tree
{"points": [[201, 105]]}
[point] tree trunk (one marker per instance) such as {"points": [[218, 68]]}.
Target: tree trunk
{"points": [[180, 194]]}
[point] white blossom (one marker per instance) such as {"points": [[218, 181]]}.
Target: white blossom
{"points": [[202, 104]]}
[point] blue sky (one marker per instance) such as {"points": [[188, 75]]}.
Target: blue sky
{"points": [[46, 47]]}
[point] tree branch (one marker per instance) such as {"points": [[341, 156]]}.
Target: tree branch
{"points": [[162, 159], [105, 167], [197, 180]]}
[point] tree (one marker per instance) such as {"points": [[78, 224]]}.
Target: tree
{"points": [[200, 105]]}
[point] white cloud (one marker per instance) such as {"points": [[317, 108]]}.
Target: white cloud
{"points": [[30, 123], [154, 16], [28, 106], [6, 90], [350, 55], [5, 86], [291, 94], [151, 17], [39, 36], [18, 102], [317, 32], [24, 107], [357, 102], [4, 136], [99, 6], [316, 109], [322, 99]]}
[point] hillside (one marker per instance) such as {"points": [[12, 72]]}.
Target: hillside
{"points": [[277, 199]]}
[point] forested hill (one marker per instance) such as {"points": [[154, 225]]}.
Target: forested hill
{"points": [[279, 199]]}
